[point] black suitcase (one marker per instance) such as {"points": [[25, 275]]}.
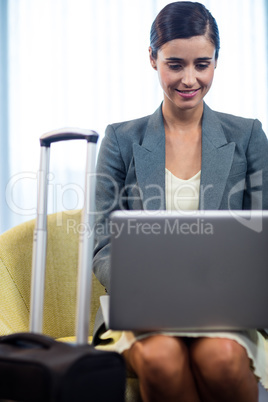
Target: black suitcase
{"points": [[35, 367]]}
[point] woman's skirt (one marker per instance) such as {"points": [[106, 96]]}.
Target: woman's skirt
{"points": [[254, 342]]}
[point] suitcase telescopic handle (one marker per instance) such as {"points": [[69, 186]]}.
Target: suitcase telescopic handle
{"points": [[86, 240], [66, 134]]}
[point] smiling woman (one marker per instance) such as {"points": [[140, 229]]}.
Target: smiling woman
{"points": [[185, 157]]}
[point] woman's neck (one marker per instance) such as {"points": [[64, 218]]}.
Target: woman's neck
{"points": [[178, 119]]}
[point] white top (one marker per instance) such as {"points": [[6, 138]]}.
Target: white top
{"points": [[182, 195]]}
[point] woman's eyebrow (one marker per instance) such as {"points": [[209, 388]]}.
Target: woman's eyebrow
{"points": [[181, 60], [203, 59], [174, 59]]}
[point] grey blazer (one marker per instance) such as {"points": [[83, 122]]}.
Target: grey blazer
{"points": [[131, 171]]}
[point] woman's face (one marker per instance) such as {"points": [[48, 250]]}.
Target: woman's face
{"points": [[185, 69]]}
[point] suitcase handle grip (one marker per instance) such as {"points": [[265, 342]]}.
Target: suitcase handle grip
{"points": [[28, 340], [66, 134]]}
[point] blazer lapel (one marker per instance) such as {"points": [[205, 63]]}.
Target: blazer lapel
{"points": [[149, 159], [217, 158]]}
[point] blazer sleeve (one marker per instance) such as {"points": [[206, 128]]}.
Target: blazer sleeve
{"points": [[110, 180], [256, 194]]}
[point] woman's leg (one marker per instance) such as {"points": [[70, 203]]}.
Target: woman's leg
{"points": [[222, 371], [162, 366]]}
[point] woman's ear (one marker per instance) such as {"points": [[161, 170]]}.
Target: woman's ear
{"points": [[152, 59]]}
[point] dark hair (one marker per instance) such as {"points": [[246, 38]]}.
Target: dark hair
{"points": [[183, 20]]}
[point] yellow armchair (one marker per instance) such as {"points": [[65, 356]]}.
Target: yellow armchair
{"points": [[61, 277]]}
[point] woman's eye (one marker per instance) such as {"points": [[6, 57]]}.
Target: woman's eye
{"points": [[175, 66], [202, 66]]}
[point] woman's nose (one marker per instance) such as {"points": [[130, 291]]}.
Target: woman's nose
{"points": [[189, 78]]}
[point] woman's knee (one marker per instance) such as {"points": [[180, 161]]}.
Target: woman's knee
{"points": [[159, 357], [219, 359]]}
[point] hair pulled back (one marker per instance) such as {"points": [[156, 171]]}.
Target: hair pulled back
{"points": [[183, 20]]}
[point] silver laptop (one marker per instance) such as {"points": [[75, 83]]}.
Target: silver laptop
{"points": [[192, 271]]}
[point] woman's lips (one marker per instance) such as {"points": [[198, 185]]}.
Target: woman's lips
{"points": [[188, 93]]}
